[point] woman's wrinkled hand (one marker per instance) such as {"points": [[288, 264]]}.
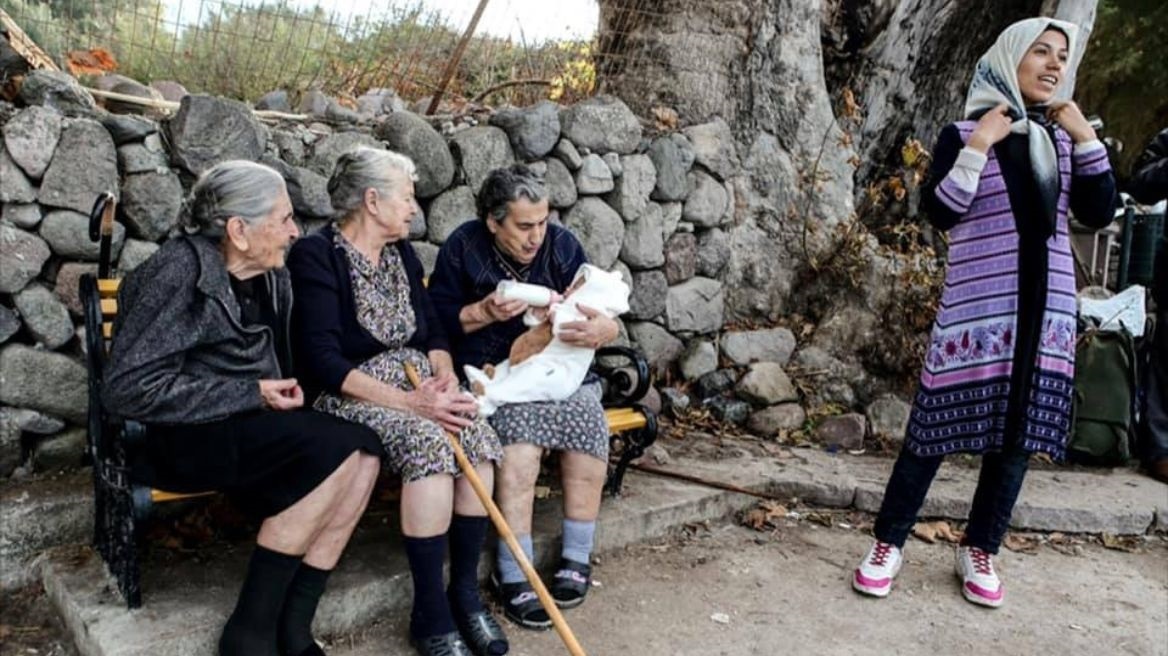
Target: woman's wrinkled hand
{"points": [[282, 394], [993, 126], [495, 308], [593, 332], [1067, 114], [439, 400]]}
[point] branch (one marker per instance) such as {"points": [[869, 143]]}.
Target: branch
{"points": [[505, 85]]}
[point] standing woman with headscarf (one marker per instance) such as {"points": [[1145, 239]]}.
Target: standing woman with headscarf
{"points": [[999, 371]]}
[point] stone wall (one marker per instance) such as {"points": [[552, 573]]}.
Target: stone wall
{"points": [[652, 202]]}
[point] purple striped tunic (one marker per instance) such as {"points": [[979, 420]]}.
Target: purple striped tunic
{"points": [[965, 383]]}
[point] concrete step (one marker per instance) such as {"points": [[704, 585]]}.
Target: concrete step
{"points": [[186, 602], [40, 513]]}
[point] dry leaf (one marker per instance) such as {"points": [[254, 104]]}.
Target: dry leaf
{"points": [[764, 515], [95, 61], [1126, 543], [666, 118], [932, 531], [1021, 544]]}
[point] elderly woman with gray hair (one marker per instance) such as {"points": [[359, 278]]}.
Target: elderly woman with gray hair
{"points": [[200, 356], [362, 315], [515, 239]]}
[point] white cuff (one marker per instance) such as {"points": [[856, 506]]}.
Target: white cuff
{"points": [[1088, 147], [967, 169]]}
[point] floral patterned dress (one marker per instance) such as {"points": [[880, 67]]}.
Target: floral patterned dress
{"points": [[416, 447]]}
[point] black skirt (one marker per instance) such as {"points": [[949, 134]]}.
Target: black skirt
{"points": [[265, 461]]}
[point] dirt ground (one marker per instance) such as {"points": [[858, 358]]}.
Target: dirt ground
{"points": [[728, 590]]}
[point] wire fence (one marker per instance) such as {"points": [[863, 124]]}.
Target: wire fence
{"points": [[243, 49]]}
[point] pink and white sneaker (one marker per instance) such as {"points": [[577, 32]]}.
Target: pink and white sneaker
{"points": [[979, 583], [874, 575]]}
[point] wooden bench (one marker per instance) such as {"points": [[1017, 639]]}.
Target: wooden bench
{"points": [[121, 504]]}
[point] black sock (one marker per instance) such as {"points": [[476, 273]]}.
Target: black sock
{"points": [[466, 544], [295, 627], [431, 613], [251, 629]]}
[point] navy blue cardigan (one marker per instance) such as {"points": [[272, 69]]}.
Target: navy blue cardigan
{"points": [[327, 340]]}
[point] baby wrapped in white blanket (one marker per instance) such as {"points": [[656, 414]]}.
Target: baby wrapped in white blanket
{"points": [[556, 371]]}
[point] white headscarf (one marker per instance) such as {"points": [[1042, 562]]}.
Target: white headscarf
{"points": [[995, 81]]}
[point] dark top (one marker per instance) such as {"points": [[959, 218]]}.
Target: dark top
{"points": [[1092, 202], [468, 269], [181, 352], [257, 307], [327, 339], [1149, 181]]}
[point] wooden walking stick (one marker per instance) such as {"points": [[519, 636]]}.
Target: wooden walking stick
{"points": [[468, 470]]}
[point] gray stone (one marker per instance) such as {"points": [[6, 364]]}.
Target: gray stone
{"points": [[770, 421], [713, 147], [170, 90], [207, 130], [15, 187], [290, 146], [314, 101], [764, 345], [714, 383], [413, 137], [23, 255], [57, 90], [151, 203], [533, 131], [681, 258], [134, 89], [695, 306], [613, 161], [428, 254], [599, 228], [833, 378], [647, 300], [126, 129], [328, 150], [765, 383], [67, 287], [276, 101], [26, 216], [658, 346], [594, 176], [708, 202], [31, 137], [448, 211], [61, 451], [672, 156], [731, 411], [602, 124], [566, 152], [67, 233], [539, 168], [561, 187], [842, 431], [84, 165], [11, 450], [480, 150], [642, 248], [674, 401], [9, 323], [888, 417], [672, 215], [42, 380], [134, 253], [699, 359], [45, 317], [379, 101], [309, 193], [148, 156], [713, 252], [630, 196]]}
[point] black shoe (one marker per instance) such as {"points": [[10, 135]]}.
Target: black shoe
{"points": [[571, 583], [521, 605], [446, 644], [482, 633]]}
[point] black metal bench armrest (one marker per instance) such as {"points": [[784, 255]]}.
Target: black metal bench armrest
{"points": [[625, 383]]}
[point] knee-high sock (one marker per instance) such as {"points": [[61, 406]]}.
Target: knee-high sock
{"points": [[431, 614], [295, 627], [466, 544], [251, 629]]}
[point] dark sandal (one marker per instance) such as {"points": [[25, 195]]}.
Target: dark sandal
{"points": [[482, 633], [445, 644], [570, 583], [521, 605]]}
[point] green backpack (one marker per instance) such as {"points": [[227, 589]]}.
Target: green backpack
{"points": [[1105, 388]]}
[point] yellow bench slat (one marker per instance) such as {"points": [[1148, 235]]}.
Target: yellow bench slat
{"points": [[162, 496], [109, 306], [624, 422], [108, 286], [107, 330]]}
